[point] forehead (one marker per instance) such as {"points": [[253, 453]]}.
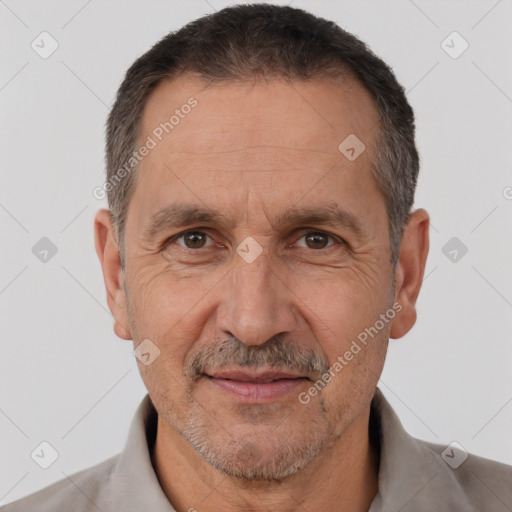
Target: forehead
{"points": [[282, 121], [284, 138]]}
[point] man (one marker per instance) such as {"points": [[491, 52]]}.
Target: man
{"points": [[260, 250]]}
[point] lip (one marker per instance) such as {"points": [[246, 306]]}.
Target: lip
{"points": [[244, 376], [256, 387]]}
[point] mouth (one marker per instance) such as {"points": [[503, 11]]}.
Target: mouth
{"points": [[256, 387]]}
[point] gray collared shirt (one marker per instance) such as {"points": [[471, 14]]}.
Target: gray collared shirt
{"points": [[413, 476]]}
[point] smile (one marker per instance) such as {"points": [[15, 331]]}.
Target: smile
{"points": [[256, 388]]}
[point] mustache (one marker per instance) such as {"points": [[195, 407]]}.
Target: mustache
{"points": [[277, 352]]}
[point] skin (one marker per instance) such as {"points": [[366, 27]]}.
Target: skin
{"points": [[252, 151]]}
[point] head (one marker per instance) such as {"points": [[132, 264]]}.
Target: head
{"points": [[261, 170]]}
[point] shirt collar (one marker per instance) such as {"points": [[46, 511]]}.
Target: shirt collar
{"points": [[134, 483], [407, 466]]}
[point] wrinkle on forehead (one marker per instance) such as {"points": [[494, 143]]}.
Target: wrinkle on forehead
{"points": [[253, 159], [303, 116]]}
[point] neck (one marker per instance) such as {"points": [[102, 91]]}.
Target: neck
{"points": [[344, 479]]}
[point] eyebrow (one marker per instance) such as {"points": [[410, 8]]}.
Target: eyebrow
{"points": [[184, 214]]}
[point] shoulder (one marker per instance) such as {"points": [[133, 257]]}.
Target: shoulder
{"points": [[483, 483], [417, 475], [84, 491]]}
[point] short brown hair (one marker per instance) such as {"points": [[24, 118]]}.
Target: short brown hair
{"points": [[270, 41]]}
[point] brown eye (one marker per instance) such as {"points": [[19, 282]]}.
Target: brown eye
{"points": [[316, 240], [193, 239]]}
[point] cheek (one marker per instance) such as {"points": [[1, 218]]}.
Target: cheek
{"points": [[159, 301], [339, 308], [170, 312], [341, 316]]}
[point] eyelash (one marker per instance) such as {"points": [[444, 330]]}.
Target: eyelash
{"points": [[176, 237]]}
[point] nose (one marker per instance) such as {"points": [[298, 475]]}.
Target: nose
{"points": [[256, 303]]}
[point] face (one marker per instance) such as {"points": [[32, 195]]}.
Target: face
{"points": [[257, 254]]}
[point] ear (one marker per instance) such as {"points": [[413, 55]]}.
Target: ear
{"points": [[109, 255], [410, 271]]}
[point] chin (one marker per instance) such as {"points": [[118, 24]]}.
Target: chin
{"points": [[258, 457]]}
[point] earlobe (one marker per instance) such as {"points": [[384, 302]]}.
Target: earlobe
{"points": [[410, 271], [110, 260], [121, 332]]}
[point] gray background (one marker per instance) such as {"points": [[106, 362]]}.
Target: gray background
{"points": [[65, 377]]}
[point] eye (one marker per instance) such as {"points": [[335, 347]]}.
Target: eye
{"points": [[192, 239], [195, 239], [316, 240]]}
